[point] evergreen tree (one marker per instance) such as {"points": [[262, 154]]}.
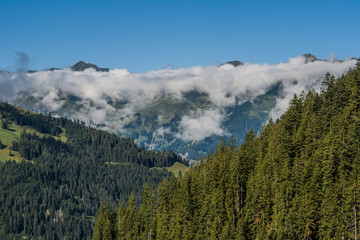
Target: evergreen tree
{"points": [[147, 214]]}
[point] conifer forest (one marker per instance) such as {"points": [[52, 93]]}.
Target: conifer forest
{"points": [[298, 179]]}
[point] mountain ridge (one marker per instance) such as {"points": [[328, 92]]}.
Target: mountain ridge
{"points": [[82, 65]]}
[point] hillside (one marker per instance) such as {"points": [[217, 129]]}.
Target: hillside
{"points": [[10, 132], [299, 179], [54, 173]]}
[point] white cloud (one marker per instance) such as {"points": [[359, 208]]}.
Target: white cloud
{"points": [[160, 132], [201, 124], [7, 89], [51, 100]]}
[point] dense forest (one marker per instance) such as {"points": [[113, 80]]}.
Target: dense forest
{"points": [[299, 179], [54, 191]]}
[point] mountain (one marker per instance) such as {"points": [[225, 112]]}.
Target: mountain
{"points": [[81, 66], [234, 63], [54, 173], [298, 179], [187, 110], [310, 58]]}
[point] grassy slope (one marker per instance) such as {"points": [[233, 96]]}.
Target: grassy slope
{"points": [[11, 134], [7, 136], [178, 167]]}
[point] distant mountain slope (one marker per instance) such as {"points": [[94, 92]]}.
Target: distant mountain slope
{"points": [[187, 110], [156, 125], [63, 171]]}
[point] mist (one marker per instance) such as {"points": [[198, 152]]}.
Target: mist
{"points": [[201, 124], [225, 86]]}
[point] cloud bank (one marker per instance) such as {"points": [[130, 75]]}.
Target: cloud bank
{"points": [[99, 92]]}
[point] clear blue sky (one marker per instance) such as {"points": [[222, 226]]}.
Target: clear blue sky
{"points": [[148, 35]]}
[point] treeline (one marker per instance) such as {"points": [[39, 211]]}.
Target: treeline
{"points": [[299, 179], [56, 191]]}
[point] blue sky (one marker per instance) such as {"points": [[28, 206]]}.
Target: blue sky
{"points": [[149, 35]]}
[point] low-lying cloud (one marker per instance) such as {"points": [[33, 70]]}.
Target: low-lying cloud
{"points": [[97, 92], [201, 124]]}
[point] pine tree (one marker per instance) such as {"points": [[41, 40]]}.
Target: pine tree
{"points": [[105, 223], [131, 219], [147, 214]]}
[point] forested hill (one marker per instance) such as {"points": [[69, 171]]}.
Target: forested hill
{"points": [[299, 179], [60, 172]]}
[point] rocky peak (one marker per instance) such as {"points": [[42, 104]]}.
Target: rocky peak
{"points": [[310, 58], [81, 66], [234, 63]]}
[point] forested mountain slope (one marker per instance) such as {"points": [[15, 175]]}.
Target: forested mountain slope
{"points": [[299, 179], [63, 170]]}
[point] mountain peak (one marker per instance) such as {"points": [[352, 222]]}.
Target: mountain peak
{"points": [[234, 63], [309, 57], [81, 66]]}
